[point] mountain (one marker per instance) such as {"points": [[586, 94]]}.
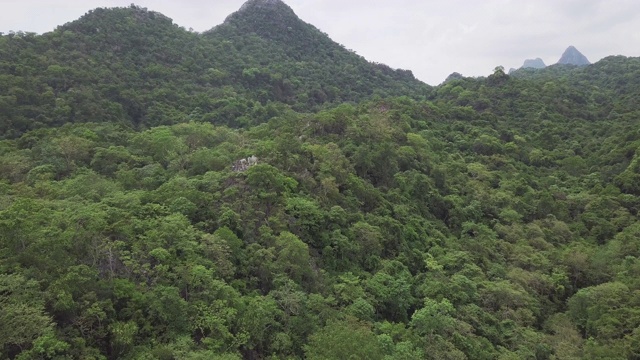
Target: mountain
{"points": [[570, 59], [536, 63], [270, 40], [572, 56], [271, 19], [172, 195], [140, 69]]}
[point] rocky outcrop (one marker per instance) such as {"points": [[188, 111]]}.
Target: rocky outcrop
{"points": [[572, 56], [536, 63]]}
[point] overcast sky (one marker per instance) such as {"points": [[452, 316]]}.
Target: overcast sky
{"points": [[431, 38]]}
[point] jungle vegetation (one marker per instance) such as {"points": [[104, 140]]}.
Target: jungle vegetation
{"points": [[485, 218]]}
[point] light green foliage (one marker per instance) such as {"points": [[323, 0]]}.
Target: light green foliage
{"points": [[606, 311], [391, 289], [292, 257], [434, 318], [488, 218], [23, 322], [344, 340]]}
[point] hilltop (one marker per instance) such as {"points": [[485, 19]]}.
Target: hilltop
{"points": [[124, 59], [536, 63], [572, 56]]}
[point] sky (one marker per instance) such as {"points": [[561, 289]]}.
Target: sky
{"points": [[431, 38]]}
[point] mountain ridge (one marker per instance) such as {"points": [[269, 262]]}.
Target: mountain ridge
{"points": [[281, 37], [263, 54], [536, 63], [570, 57]]}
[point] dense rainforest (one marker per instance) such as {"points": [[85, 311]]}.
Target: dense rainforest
{"points": [[260, 192]]}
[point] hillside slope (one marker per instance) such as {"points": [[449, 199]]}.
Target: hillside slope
{"points": [[169, 206], [136, 67]]}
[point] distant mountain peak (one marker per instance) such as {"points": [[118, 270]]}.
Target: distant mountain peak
{"points": [[572, 56], [536, 63]]}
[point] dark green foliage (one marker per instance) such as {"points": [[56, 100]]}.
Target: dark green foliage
{"points": [[135, 67], [489, 218]]}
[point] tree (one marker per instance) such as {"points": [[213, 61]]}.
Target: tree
{"points": [[293, 258], [605, 312], [268, 185], [22, 317], [346, 339], [391, 290]]}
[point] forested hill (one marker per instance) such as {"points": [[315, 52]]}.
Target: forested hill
{"points": [[163, 197], [283, 47], [134, 66], [616, 73]]}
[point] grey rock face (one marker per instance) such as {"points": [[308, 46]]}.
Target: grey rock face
{"points": [[572, 56], [536, 63]]}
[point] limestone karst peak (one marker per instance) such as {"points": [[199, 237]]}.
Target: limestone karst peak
{"points": [[572, 56], [536, 63]]}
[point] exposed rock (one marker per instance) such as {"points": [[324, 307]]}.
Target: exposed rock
{"points": [[536, 63], [243, 164], [572, 56]]}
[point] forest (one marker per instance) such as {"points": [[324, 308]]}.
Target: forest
{"points": [[374, 216]]}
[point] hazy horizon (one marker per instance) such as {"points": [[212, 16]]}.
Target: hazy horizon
{"points": [[429, 38]]}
